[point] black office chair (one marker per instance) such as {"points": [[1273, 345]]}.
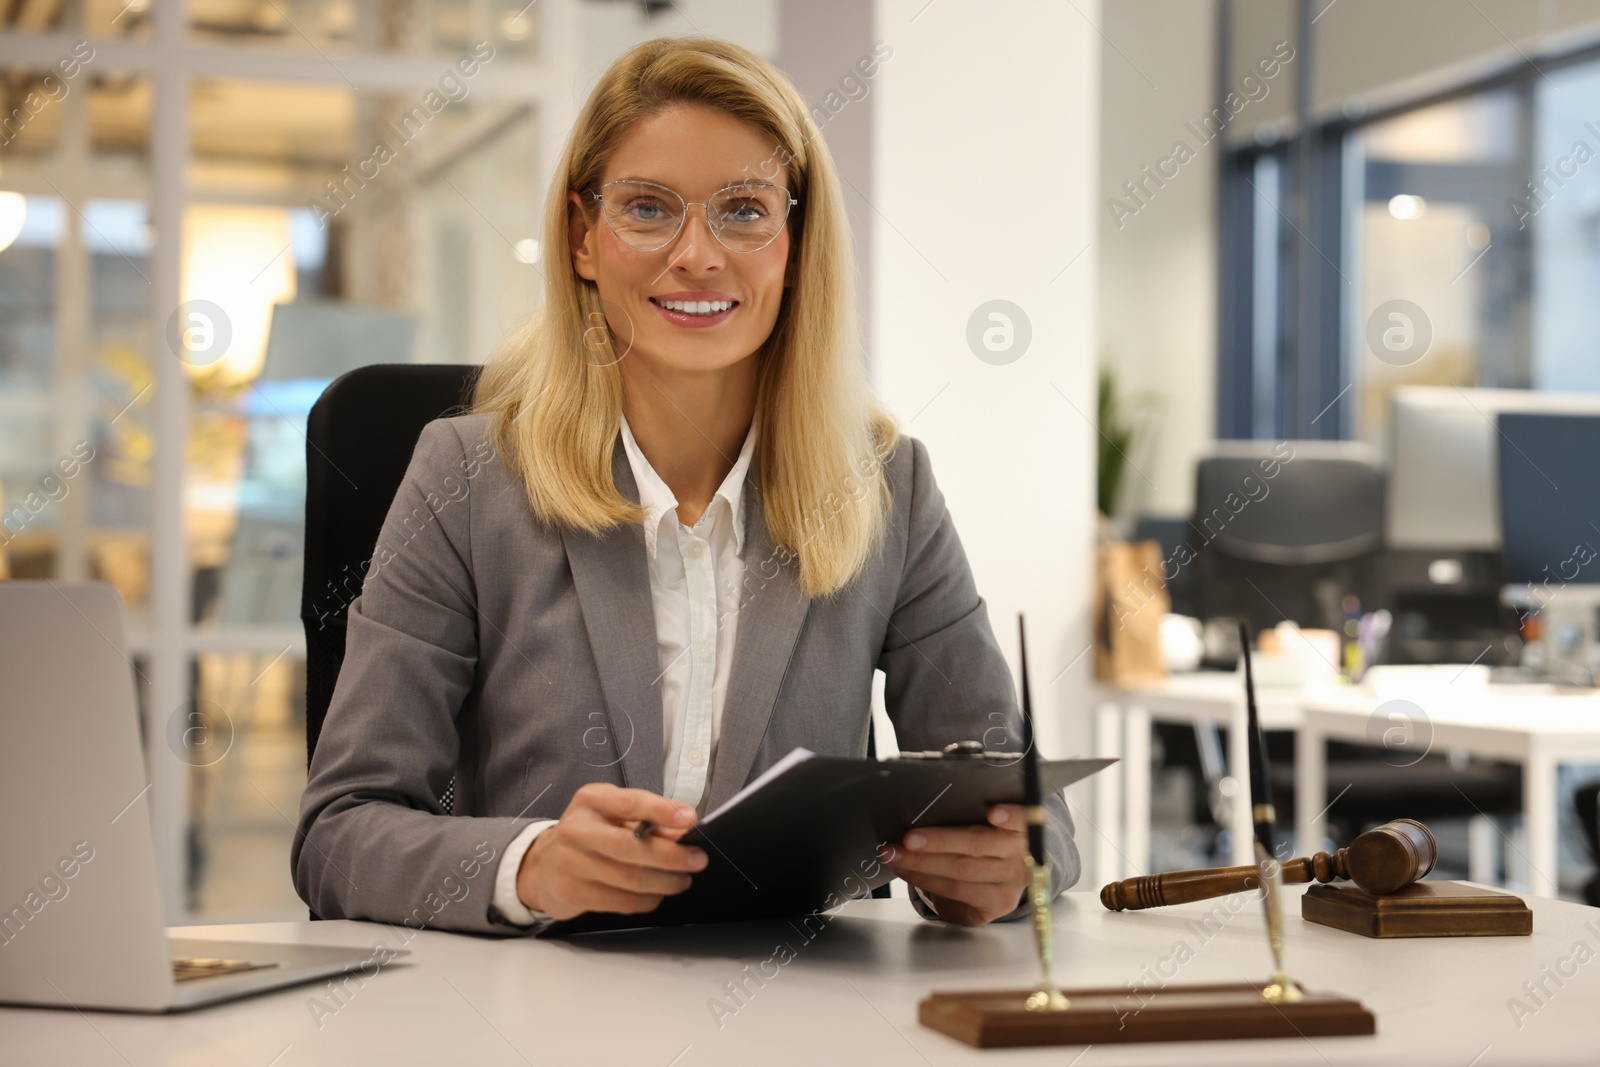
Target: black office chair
{"points": [[359, 439], [1292, 546], [1280, 530], [1587, 801]]}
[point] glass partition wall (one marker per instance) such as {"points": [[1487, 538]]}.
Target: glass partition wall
{"points": [[207, 212]]}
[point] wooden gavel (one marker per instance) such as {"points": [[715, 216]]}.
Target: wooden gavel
{"points": [[1382, 860]]}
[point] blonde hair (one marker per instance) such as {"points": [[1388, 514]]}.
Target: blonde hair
{"points": [[824, 436]]}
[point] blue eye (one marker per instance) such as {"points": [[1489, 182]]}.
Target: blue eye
{"points": [[745, 212], [646, 210]]}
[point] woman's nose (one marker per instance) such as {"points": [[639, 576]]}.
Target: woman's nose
{"points": [[697, 249]]}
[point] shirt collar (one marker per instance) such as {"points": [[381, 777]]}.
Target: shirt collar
{"points": [[661, 504]]}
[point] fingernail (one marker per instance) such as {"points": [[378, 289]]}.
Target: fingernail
{"points": [[915, 840], [697, 858], [684, 816], [1000, 815]]}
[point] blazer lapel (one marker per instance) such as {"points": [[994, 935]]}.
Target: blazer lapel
{"points": [[769, 624], [612, 578]]}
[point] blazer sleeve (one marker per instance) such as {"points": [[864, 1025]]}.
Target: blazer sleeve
{"points": [[374, 841], [945, 678]]}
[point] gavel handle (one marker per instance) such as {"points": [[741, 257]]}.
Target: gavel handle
{"points": [[1184, 887]]}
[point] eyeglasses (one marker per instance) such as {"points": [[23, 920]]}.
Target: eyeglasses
{"points": [[647, 217]]}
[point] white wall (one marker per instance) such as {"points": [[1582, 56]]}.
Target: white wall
{"points": [[822, 46], [984, 183], [1157, 298]]}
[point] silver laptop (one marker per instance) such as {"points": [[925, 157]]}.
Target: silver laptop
{"points": [[81, 922]]}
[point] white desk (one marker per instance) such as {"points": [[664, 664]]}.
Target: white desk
{"points": [[848, 997], [1525, 725], [1122, 730]]}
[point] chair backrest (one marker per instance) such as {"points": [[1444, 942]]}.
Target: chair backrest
{"points": [[1294, 502], [1285, 529], [359, 438]]}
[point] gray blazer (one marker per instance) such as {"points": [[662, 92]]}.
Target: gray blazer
{"points": [[519, 660]]}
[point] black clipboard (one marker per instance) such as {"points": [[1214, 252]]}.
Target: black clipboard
{"points": [[805, 839]]}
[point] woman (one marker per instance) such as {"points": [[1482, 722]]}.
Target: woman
{"points": [[672, 543]]}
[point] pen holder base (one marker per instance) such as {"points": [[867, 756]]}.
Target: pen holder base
{"points": [[999, 1019]]}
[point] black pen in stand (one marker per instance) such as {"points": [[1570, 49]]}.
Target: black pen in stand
{"points": [[1281, 990], [1048, 996]]}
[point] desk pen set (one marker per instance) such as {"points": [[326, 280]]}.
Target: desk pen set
{"points": [[1048, 1015]]}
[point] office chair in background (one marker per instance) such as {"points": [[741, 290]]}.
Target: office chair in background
{"points": [[1281, 530], [359, 439], [1292, 547]]}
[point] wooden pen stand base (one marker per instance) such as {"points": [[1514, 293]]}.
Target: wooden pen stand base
{"points": [[1423, 909], [998, 1019]]}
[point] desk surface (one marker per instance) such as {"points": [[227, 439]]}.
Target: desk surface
{"points": [[1210, 696], [1532, 710], [849, 995]]}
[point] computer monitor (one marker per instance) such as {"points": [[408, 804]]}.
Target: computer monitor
{"points": [[1550, 498], [1443, 462], [1443, 567]]}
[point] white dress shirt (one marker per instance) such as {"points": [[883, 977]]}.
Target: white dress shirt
{"points": [[695, 576]]}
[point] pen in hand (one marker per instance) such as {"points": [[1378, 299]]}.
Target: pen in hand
{"points": [[646, 827]]}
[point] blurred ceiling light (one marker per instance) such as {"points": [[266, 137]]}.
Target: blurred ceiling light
{"points": [[268, 18], [1406, 207], [514, 25], [238, 257], [13, 210], [527, 250], [338, 18]]}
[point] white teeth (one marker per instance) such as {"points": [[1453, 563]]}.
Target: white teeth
{"points": [[697, 307]]}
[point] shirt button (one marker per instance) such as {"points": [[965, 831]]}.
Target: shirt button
{"points": [[702, 650], [696, 756], [695, 549]]}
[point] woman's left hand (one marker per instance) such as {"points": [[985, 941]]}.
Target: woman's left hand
{"points": [[972, 874]]}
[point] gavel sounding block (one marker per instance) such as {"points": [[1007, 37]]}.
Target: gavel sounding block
{"points": [[1423, 909], [998, 1018]]}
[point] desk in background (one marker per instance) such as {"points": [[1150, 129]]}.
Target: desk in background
{"points": [[1530, 725], [1122, 731], [1533, 725], [849, 996]]}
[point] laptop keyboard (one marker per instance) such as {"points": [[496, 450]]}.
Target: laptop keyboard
{"points": [[187, 970]]}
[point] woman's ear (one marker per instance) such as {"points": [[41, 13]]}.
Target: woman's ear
{"points": [[579, 237]]}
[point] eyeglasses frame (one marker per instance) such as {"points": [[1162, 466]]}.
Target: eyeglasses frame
{"points": [[599, 198]]}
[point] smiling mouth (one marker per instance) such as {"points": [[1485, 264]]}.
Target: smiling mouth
{"points": [[707, 308]]}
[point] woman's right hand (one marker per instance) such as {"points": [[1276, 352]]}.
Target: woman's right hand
{"points": [[590, 860]]}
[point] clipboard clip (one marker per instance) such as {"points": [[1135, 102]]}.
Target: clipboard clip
{"points": [[962, 750]]}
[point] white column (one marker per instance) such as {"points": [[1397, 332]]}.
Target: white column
{"points": [[1310, 788], [1539, 821], [1136, 788], [1241, 827], [70, 406], [1484, 844], [985, 138], [1105, 826], [168, 669]]}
